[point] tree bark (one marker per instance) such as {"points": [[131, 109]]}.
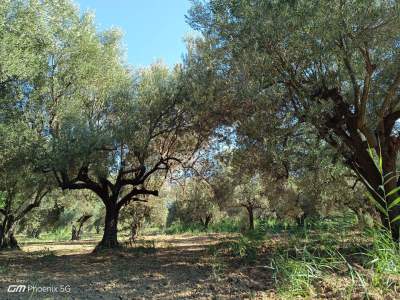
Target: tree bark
{"points": [[374, 178], [206, 221], [389, 170], [366, 167], [76, 233], [7, 239], [300, 220], [346, 125], [250, 212], [110, 234]]}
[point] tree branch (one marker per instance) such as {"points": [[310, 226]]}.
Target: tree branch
{"points": [[390, 94], [134, 192], [36, 202], [367, 85]]}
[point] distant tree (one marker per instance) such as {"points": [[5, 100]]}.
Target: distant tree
{"points": [[77, 229], [250, 194], [134, 215], [145, 136], [195, 204]]}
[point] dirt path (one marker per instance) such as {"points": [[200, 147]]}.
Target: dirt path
{"points": [[179, 267]]}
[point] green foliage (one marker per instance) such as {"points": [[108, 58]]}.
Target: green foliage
{"points": [[226, 224], [295, 277], [3, 269], [194, 204], [300, 272], [59, 234], [383, 259], [178, 227], [2, 199], [331, 77], [245, 247], [386, 199]]}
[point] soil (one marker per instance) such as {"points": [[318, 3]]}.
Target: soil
{"points": [[158, 267]]}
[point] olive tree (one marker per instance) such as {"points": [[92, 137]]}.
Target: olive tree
{"points": [[195, 203], [21, 188], [97, 125], [140, 135], [337, 71]]}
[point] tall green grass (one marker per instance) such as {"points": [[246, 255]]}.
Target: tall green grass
{"points": [[383, 259]]}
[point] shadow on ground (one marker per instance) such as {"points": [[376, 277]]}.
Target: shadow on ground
{"points": [[180, 267]]}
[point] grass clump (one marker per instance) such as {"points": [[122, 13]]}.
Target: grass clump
{"points": [[294, 277], [384, 260], [245, 246], [178, 227], [306, 272]]}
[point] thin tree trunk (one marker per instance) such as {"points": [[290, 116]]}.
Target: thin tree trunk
{"points": [[97, 228], [300, 220], [206, 221], [250, 212], [76, 233]]}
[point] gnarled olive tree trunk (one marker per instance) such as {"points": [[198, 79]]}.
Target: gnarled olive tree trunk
{"points": [[77, 231], [357, 140], [11, 217], [7, 239], [110, 234]]}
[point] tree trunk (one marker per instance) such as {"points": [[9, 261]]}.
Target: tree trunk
{"points": [[250, 212], [300, 220], [7, 239], [110, 235], [367, 168], [206, 221], [389, 170], [74, 234], [348, 125]]}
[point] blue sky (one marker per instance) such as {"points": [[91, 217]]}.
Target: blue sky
{"points": [[153, 29]]}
